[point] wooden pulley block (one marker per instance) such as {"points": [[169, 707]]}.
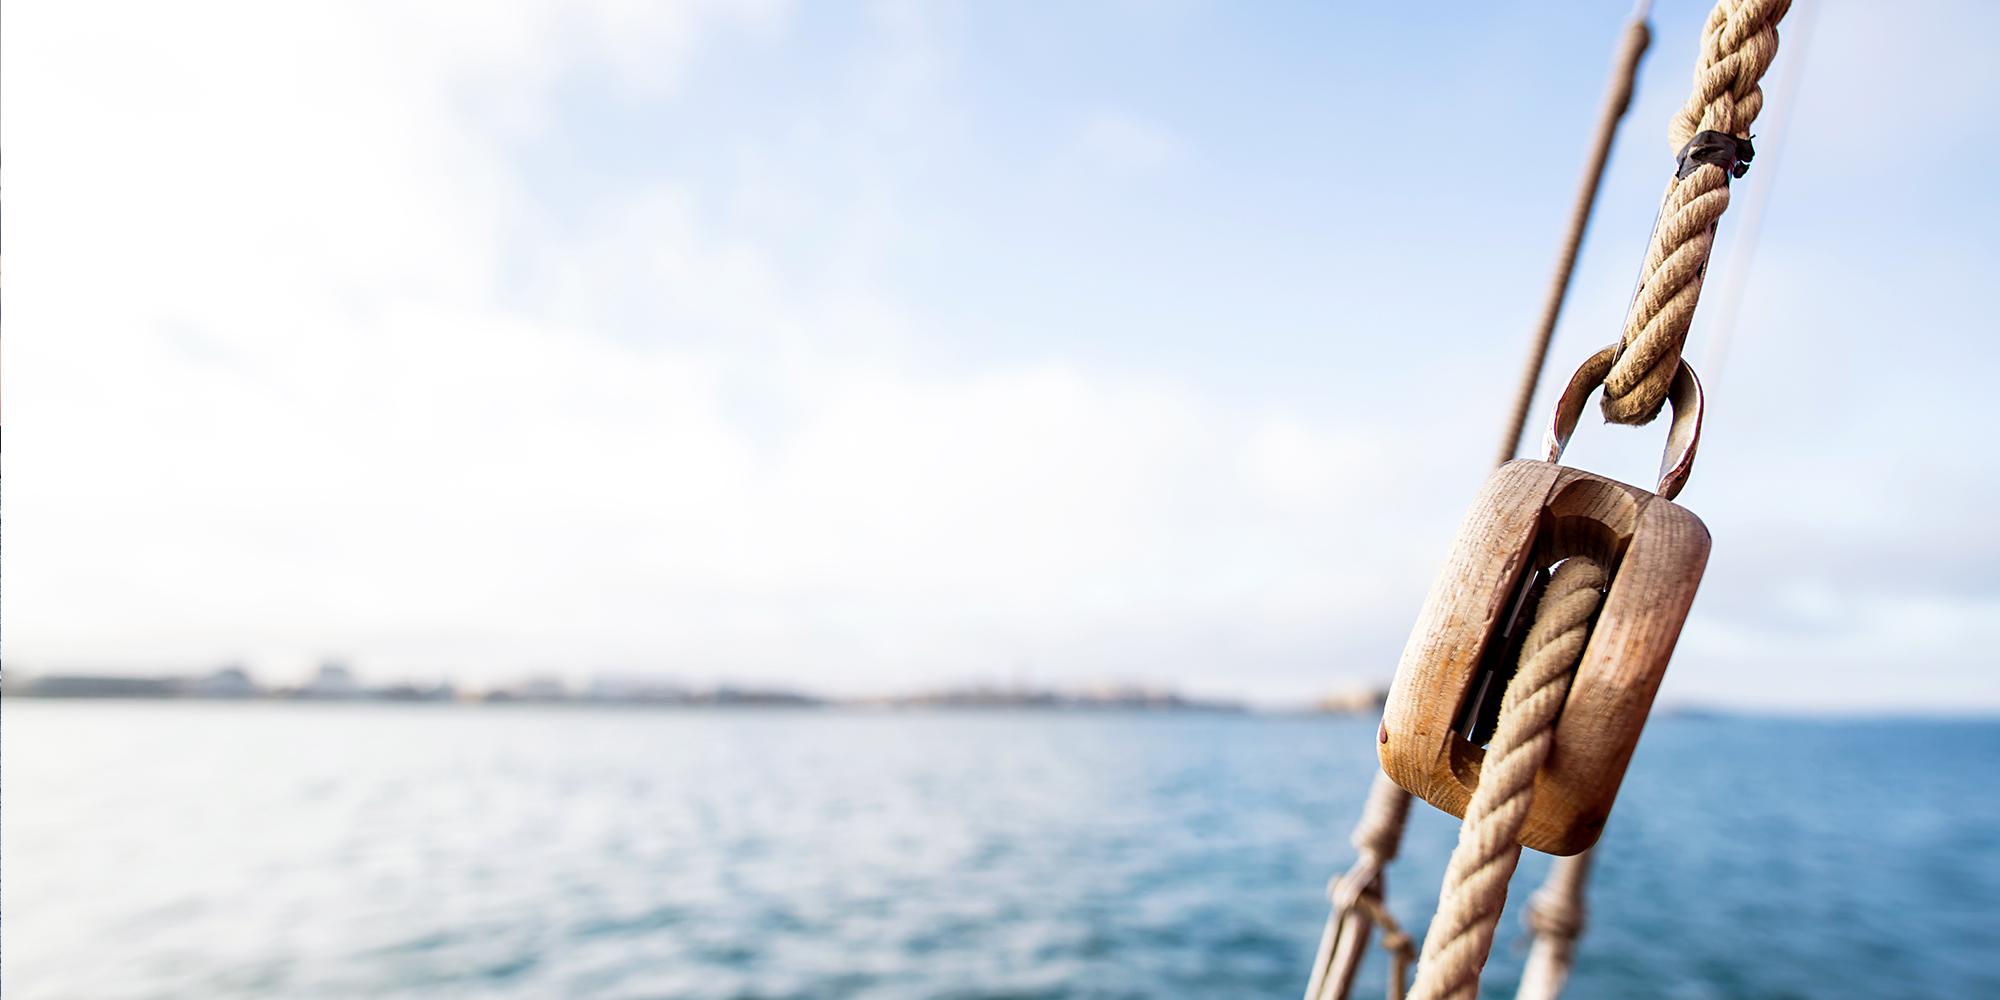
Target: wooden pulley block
{"points": [[1529, 516]]}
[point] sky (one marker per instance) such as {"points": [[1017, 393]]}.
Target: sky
{"points": [[875, 346]]}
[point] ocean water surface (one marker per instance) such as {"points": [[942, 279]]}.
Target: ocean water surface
{"points": [[362, 850]]}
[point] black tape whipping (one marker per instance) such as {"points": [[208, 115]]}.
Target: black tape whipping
{"points": [[1717, 149]]}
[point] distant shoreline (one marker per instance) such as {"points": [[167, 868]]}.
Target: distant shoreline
{"points": [[826, 705], [335, 682], [872, 707]]}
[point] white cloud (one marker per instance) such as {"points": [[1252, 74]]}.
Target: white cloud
{"points": [[297, 369], [286, 394]]}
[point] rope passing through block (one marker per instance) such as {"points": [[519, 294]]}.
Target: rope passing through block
{"points": [[1381, 827], [1739, 42], [1575, 681], [1475, 886]]}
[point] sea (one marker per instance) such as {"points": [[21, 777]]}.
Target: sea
{"points": [[298, 850]]}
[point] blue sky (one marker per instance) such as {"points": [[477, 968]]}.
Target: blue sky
{"points": [[868, 346]]}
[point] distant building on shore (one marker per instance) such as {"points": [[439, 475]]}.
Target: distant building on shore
{"points": [[757, 696], [540, 688], [441, 691], [1362, 700], [637, 690], [334, 680], [228, 682], [1100, 697]]}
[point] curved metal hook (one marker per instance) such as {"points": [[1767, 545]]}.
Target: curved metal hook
{"points": [[1684, 435]]}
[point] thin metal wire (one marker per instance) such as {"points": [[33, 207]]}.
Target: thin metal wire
{"points": [[1743, 252]]}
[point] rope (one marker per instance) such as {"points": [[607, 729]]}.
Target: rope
{"points": [[1556, 916], [1617, 98], [1737, 45], [1396, 941], [1376, 839], [1475, 888]]}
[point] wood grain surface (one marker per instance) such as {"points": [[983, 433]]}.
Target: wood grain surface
{"points": [[1534, 514]]}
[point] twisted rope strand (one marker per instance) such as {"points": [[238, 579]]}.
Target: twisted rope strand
{"points": [[1376, 838], [1475, 887], [1738, 43], [1556, 914]]}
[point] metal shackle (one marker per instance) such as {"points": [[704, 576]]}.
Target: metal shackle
{"points": [[1684, 396]]}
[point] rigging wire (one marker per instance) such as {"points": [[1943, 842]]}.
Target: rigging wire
{"points": [[1743, 253]]}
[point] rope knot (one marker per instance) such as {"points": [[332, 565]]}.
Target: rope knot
{"points": [[1399, 944], [1343, 891], [1553, 915]]}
